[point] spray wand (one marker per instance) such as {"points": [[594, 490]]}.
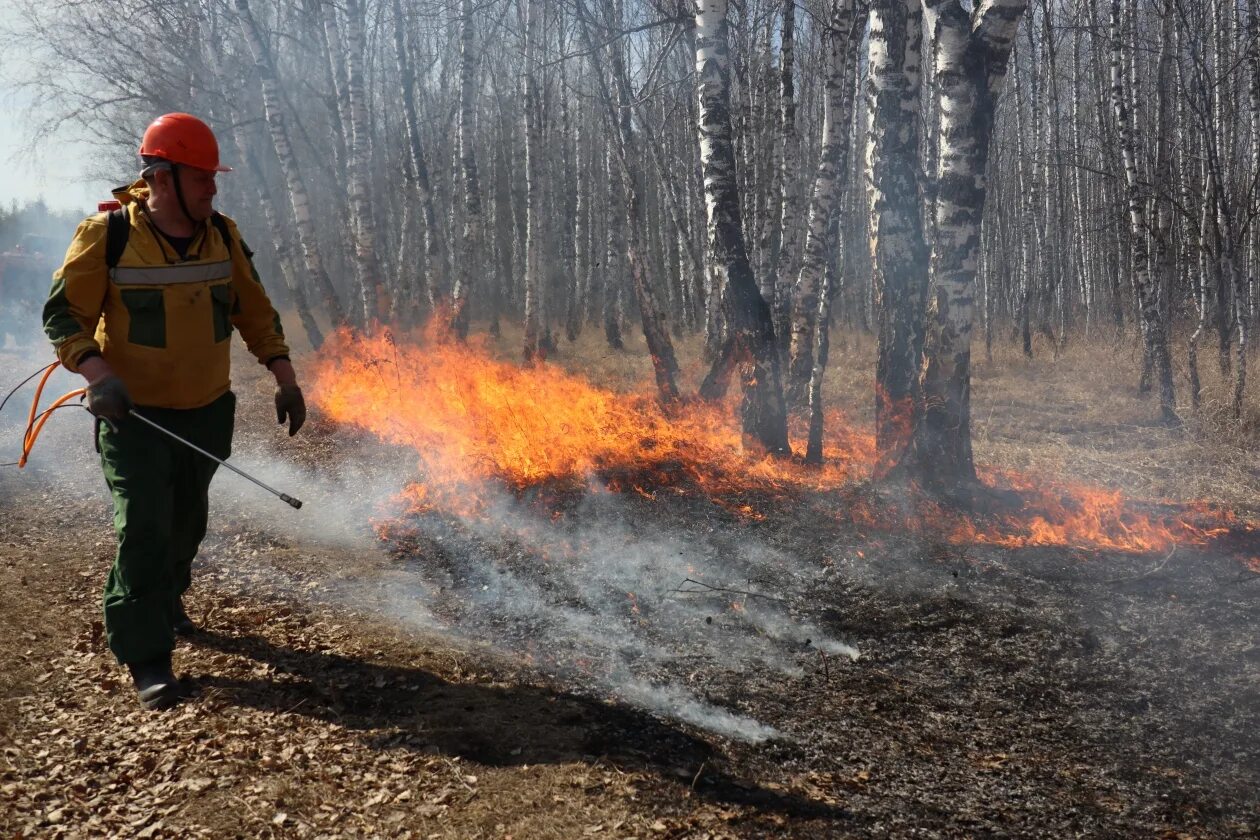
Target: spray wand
{"points": [[35, 424], [284, 497]]}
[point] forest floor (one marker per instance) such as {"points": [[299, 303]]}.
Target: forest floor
{"points": [[1029, 692]]}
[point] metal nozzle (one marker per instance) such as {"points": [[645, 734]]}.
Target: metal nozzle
{"points": [[296, 504]]}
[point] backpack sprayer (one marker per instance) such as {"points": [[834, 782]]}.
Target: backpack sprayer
{"points": [[36, 419]]}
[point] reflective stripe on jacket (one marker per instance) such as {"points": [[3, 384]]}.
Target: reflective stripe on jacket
{"points": [[163, 324]]}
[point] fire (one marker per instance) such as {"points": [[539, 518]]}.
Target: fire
{"points": [[1058, 514], [477, 423]]}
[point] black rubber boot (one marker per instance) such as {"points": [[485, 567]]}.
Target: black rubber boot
{"points": [[155, 683], [183, 625]]}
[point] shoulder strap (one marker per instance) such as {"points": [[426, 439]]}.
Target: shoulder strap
{"points": [[221, 225], [116, 234]]}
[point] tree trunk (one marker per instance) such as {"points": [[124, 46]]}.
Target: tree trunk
{"points": [[280, 240], [783, 257], [611, 313], [535, 347], [970, 53], [1155, 330], [470, 257], [624, 145], [898, 249], [281, 233], [371, 279], [848, 22], [273, 108], [432, 261], [751, 345]]}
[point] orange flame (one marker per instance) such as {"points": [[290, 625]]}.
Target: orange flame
{"points": [[476, 422], [473, 419], [1058, 514]]}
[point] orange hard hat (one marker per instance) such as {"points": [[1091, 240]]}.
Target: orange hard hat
{"points": [[182, 138]]}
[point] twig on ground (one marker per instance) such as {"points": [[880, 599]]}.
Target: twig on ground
{"points": [[696, 777], [1148, 572], [710, 588]]}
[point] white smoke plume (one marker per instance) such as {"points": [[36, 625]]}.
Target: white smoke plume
{"points": [[607, 598]]}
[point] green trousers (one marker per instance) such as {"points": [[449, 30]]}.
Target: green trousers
{"points": [[161, 502]]}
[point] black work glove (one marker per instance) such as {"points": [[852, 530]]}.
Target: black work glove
{"points": [[109, 400], [290, 405]]}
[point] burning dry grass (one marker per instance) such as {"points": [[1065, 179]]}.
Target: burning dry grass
{"points": [[473, 419], [478, 422]]}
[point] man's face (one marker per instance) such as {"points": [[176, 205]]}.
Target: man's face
{"points": [[199, 190]]}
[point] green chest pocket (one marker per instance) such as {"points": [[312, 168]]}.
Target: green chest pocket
{"points": [[222, 299], [147, 311]]}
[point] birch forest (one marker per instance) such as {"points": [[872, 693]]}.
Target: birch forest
{"points": [[946, 176]]}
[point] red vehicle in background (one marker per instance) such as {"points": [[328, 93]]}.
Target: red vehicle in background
{"points": [[25, 276]]}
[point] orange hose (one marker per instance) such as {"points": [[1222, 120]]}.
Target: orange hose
{"points": [[33, 428], [39, 392], [32, 434]]}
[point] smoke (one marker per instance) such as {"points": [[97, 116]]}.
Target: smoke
{"points": [[589, 597], [338, 502]]}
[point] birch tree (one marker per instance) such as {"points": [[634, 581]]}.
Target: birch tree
{"points": [[751, 346], [1154, 329], [625, 146], [783, 257], [844, 35], [535, 348], [277, 126], [470, 257], [431, 256], [368, 271], [970, 51], [898, 248]]}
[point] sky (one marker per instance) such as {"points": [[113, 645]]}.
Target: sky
{"points": [[57, 178], [56, 175]]}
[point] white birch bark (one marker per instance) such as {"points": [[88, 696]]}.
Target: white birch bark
{"points": [[281, 240], [367, 264], [848, 21], [898, 249], [611, 311], [784, 256], [1153, 327], [470, 258], [299, 198], [625, 147], [751, 345], [970, 52], [1253, 60], [281, 234], [431, 260], [535, 349]]}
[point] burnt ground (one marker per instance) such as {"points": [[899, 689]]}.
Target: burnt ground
{"points": [[999, 693]]}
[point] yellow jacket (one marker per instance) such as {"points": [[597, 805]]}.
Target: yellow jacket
{"points": [[161, 323]]}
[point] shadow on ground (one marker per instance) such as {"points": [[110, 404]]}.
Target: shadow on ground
{"points": [[401, 707]]}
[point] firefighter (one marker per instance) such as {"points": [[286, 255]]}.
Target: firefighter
{"points": [[150, 330]]}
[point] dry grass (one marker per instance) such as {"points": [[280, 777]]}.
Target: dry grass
{"points": [[1079, 417]]}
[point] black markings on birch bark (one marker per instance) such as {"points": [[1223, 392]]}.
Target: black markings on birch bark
{"points": [[273, 107], [751, 345], [1154, 329], [470, 254], [844, 36]]}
